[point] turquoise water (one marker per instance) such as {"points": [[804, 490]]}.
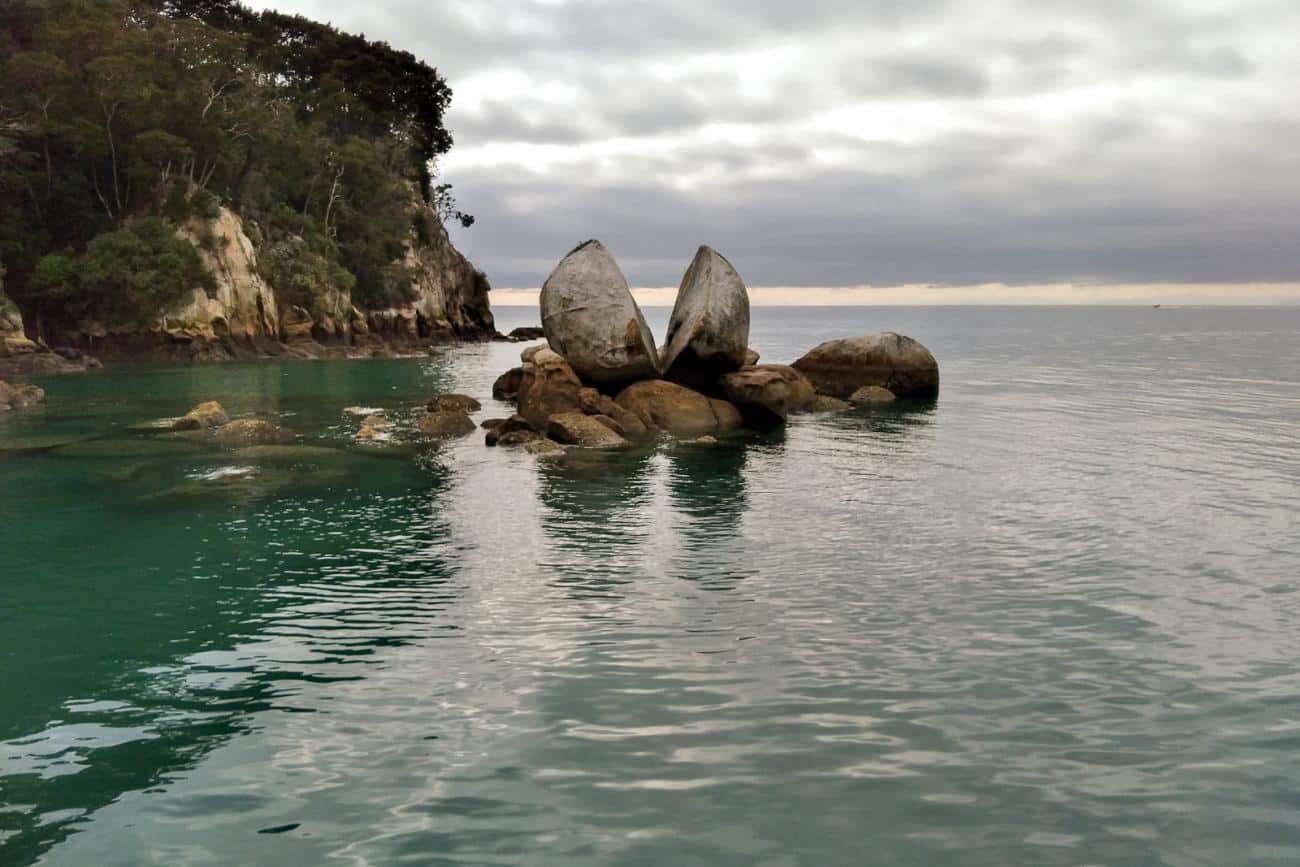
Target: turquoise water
{"points": [[1051, 619]]}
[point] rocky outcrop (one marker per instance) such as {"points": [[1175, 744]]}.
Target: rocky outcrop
{"points": [[709, 327], [243, 316], [507, 384], [446, 424], [889, 360], [548, 386], [677, 410], [21, 356], [591, 319], [768, 391]]}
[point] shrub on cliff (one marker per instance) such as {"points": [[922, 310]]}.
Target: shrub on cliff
{"points": [[125, 277]]}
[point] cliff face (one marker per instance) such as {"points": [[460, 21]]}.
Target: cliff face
{"points": [[245, 318]]}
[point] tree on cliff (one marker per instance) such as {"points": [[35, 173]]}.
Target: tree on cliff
{"points": [[115, 111]]}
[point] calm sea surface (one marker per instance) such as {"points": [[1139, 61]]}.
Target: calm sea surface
{"points": [[1052, 619]]}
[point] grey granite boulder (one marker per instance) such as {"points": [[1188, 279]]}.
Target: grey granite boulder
{"points": [[709, 326], [841, 367], [768, 390], [591, 319]]}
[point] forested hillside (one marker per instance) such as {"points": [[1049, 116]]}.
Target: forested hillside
{"points": [[122, 122]]}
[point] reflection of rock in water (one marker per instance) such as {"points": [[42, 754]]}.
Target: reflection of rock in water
{"points": [[888, 421], [706, 485], [596, 516]]}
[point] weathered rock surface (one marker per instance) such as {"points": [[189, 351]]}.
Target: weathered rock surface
{"points": [[751, 357], [517, 438], [575, 428], [675, 409], [548, 386], [544, 448], [19, 395], [772, 390], [709, 327], [516, 424], [629, 424], [872, 394], [462, 402], [826, 403], [446, 424], [892, 361], [507, 384], [251, 432], [591, 319], [208, 414]]}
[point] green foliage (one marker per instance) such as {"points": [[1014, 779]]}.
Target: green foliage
{"points": [[112, 111], [125, 277], [303, 276]]}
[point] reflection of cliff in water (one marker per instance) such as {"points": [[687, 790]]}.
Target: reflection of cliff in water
{"points": [[191, 663]]}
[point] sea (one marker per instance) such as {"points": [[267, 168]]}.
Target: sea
{"points": [[1051, 618]]}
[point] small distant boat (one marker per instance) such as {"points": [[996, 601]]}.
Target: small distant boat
{"points": [[1156, 306]]}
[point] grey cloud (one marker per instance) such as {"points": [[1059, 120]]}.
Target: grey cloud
{"points": [[1150, 175]]}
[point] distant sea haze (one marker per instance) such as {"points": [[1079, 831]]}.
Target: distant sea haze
{"points": [[1249, 294]]}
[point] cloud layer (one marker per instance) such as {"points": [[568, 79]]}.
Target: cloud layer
{"points": [[850, 142]]}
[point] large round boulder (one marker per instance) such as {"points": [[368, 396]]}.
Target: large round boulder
{"points": [[591, 319], [675, 409], [251, 432], [208, 414], [446, 424], [709, 327], [768, 390], [841, 367]]}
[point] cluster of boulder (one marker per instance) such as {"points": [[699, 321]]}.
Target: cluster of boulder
{"points": [[211, 417], [600, 380]]}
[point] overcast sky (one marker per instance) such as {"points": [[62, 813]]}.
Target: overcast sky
{"points": [[847, 142]]}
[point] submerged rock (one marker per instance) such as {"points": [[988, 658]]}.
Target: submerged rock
{"points": [[251, 431], [872, 394], [374, 428], [208, 414], [892, 361], [19, 395], [774, 390], [462, 402], [544, 448], [516, 424], [709, 327], [826, 403], [675, 409], [446, 424], [291, 454], [139, 447], [578, 429], [592, 320]]}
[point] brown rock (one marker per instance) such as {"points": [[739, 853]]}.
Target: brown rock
{"points": [[892, 361], [826, 403], [675, 409], [515, 424], [751, 357], [629, 424], [578, 429], [296, 324], [516, 438], [544, 448], [774, 390], [446, 424], [871, 394], [208, 414], [507, 385], [462, 402], [373, 428], [549, 386], [491, 423], [19, 395], [250, 432]]}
